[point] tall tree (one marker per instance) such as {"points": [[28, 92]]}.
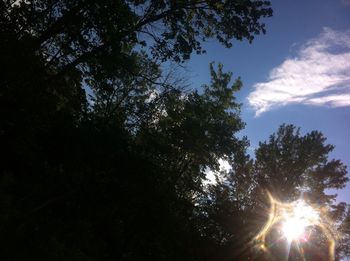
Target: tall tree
{"points": [[105, 43], [289, 166], [293, 166]]}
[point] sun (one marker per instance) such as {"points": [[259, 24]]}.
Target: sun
{"points": [[296, 219], [293, 229], [295, 222]]}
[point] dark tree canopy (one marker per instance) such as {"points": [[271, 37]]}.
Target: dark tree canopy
{"points": [[289, 166], [302, 162], [104, 37], [105, 154]]}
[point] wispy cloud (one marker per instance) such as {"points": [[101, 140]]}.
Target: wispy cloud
{"points": [[318, 75]]}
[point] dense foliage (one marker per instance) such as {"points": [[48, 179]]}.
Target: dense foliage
{"points": [[289, 166], [104, 154]]}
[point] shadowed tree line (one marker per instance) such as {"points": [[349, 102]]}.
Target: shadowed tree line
{"points": [[104, 153]]}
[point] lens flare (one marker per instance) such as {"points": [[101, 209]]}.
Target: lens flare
{"points": [[297, 219], [294, 221], [293, 228]]}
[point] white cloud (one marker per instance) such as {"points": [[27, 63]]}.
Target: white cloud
{"points": [[318, 75]]}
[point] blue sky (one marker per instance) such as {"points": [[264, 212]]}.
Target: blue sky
{"points": [[299, 73]]}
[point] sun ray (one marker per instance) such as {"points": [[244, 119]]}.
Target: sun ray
{"points": [[294, 220]]}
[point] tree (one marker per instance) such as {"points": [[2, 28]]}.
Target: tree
{"points": [[302, 162], [85, 29], [112, 49], [84, 186], [118, 173], [54, 51], [290, 166], [197, 128]]}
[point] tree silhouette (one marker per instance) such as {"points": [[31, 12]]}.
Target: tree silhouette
{"points": [[289, 166], [104, 154]]}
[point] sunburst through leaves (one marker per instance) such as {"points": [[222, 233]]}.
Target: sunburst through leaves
{"points": [[295, 222]]}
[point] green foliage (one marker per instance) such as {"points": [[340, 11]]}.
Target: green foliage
{"points": [[289, 166], [104, 155], [101, 36], [298, 164]]}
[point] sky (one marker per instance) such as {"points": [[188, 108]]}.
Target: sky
{"points": [[297, 73]]}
